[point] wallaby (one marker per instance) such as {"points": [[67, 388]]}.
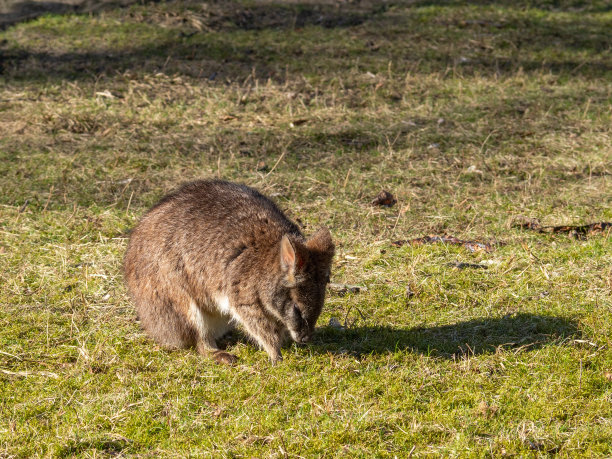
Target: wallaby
{"points": [[214, 254]]}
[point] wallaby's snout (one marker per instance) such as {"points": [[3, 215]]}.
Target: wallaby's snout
{"points": [[304, 337]]}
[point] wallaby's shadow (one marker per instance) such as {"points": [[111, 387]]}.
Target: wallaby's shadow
{"points": [[477, 336]]}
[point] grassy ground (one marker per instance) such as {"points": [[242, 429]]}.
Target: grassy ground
{"points": [[471, 115]]}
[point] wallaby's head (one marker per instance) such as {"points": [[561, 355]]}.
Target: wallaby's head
{"points": [[305, 270]]}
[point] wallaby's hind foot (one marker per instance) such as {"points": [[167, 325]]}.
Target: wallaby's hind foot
{"points": [[224, 358], [218, 355]]}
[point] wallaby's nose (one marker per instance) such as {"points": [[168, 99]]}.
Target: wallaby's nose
{"points": [[305, 338]]}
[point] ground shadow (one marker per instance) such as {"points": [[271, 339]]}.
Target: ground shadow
{"points": [[110, 447], [252, 17], [13, 12], [188, 42], [556, 5], [473, 337]]}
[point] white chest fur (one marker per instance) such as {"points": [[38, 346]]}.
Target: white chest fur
{"points": [[222, 302], [211, 325]]}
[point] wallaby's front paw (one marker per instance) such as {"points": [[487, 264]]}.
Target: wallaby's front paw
{"points": [[225, 358], [276, 359]]}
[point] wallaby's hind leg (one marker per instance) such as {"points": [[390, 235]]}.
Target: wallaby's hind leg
{"points": [[165, 325]]}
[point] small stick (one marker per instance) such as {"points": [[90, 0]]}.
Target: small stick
{"points": [[346, 316], [127, 183], [74, 211], [11, 355], [129, 202], [277, 161], [360, 313], [346, 178], [399, 215], [25, 374], [23, 207], [49, 198]]}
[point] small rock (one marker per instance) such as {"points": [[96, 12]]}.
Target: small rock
{"points": [[343, 289], [299, 122], [384, 198], [473, 170]]}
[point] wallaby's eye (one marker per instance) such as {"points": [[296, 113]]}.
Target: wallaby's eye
{"points": [[296, 310]]}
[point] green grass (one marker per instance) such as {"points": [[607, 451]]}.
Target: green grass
{"points": [[471, 115]]}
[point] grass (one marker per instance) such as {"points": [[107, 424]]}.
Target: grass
{"points": [[471, 115]]}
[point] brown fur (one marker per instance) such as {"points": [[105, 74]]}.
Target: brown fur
{"points": [[215, 253]]}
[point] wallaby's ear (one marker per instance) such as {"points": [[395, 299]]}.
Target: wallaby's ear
{"points": [[287, 255], [321, 241], [291, 260]]}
